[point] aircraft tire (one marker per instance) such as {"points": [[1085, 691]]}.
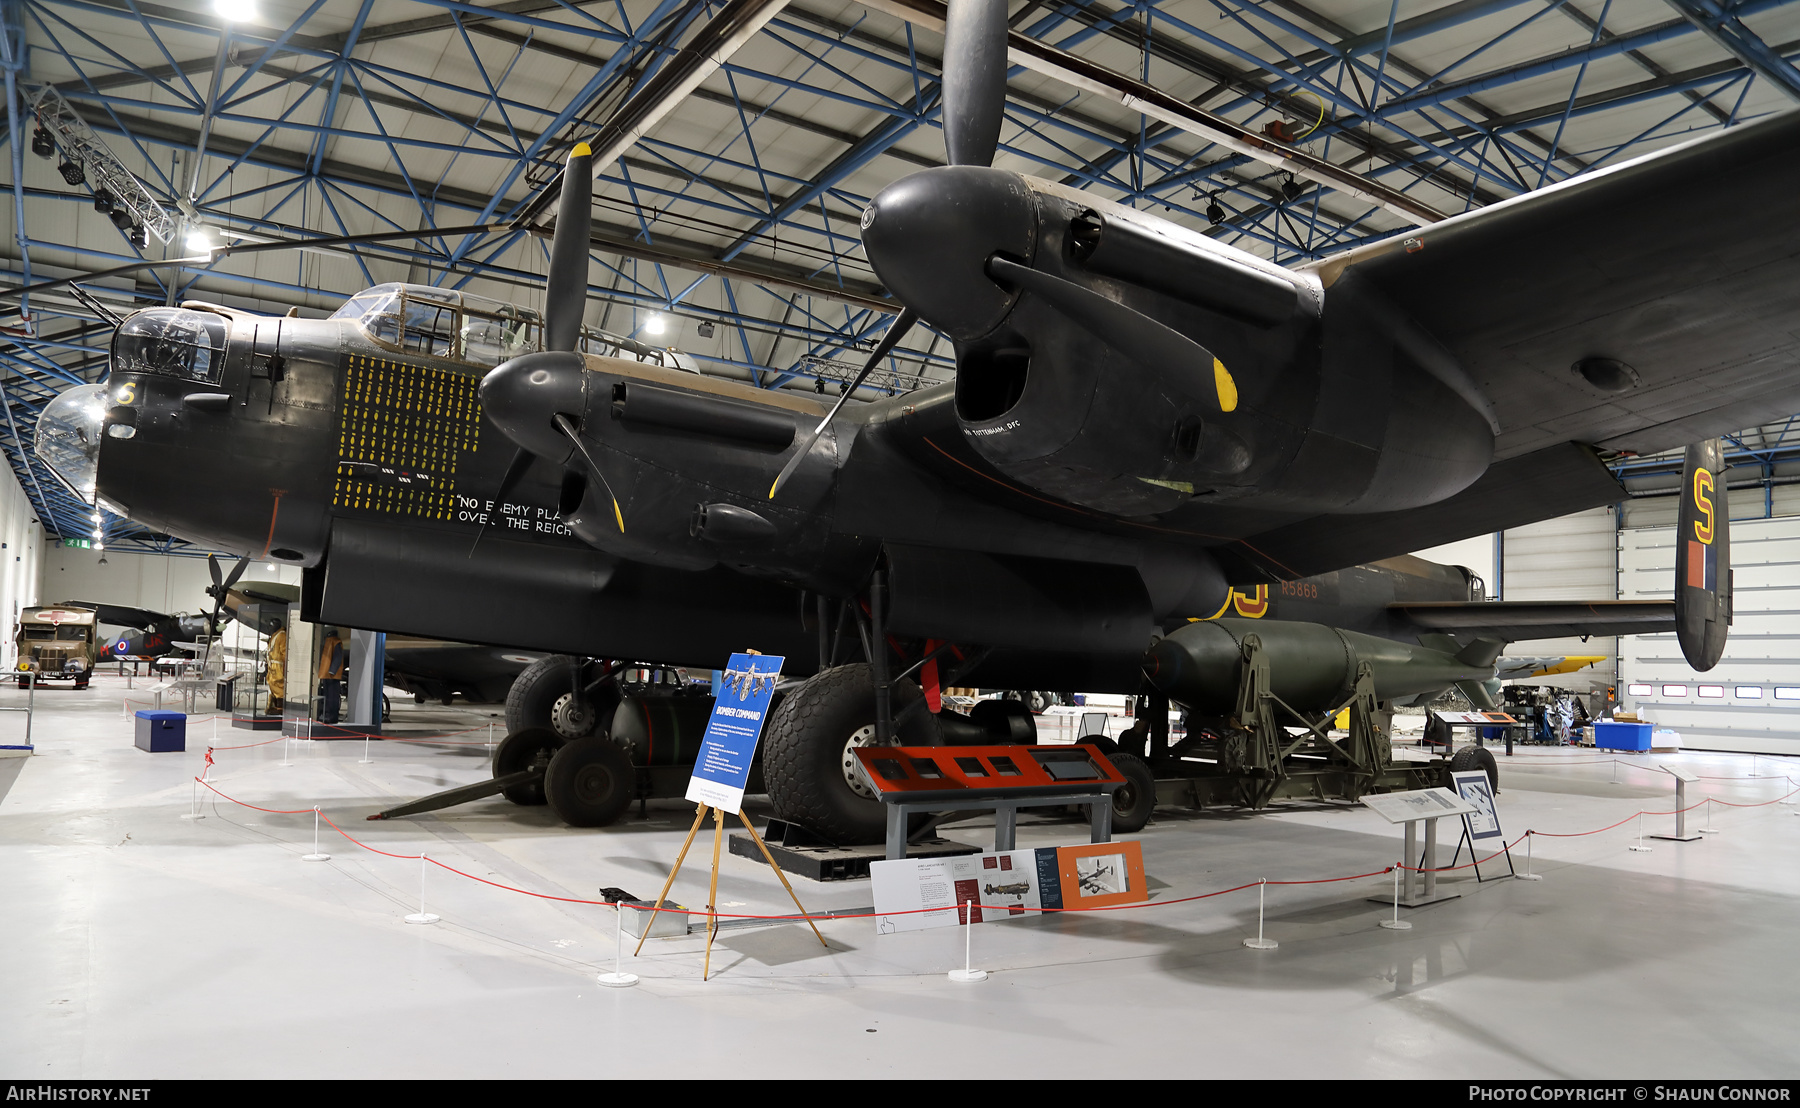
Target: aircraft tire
{"points": [[534, 746], [1106, 745], [809, 739], [531, 702], [1475, 757], [1009, 720], [589, 782], [1134, 801]]}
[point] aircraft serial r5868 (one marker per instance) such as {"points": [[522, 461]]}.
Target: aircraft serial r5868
{"points": [[1142, 418]]}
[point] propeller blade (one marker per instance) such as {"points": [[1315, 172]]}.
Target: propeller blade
{"points": [[220, 587], [1130, 332], [515, 472], [567, 427], [897, 330], [565, 289], [974, 80], [237, 571]]}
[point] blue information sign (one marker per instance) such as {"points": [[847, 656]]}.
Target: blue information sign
{"points": [[740, 702]]}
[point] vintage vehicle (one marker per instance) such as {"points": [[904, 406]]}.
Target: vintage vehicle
{"points": [[56, 642]]}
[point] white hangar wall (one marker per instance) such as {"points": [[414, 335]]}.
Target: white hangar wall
{"points": [[21, 558], [1569, 558], [159, 582], [1750, 701]]}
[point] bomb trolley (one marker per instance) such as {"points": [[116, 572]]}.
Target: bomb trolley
{"points": [[1239, 748]]}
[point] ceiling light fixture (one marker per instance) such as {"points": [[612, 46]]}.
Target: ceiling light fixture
{"points": [[72, 171], [654, 325], [199, 241], [235, 11], [41, 143]]}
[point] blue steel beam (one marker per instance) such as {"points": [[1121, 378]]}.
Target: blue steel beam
{"points": [[1723, 26]]}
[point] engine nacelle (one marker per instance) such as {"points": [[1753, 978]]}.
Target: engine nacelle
{"points": [[1290, 396]]}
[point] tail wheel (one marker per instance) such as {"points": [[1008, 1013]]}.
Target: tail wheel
{"points": [[589, 782], [1135, 800], [809, 760], [532, 748]]}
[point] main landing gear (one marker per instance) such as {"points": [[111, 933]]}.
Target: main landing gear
{"points": [[808, 759]]}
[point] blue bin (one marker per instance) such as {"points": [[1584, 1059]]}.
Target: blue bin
{"points": [[1621, 736], [161, 732]]}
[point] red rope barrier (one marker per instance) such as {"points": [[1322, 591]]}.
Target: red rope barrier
{"points": [[362, 844], [997, 908], [276, 811]]}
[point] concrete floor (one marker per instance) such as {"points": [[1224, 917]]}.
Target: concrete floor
{"points": [[139, 944]]}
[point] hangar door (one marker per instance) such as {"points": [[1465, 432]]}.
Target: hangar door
{"points": [[1569, 558], [1750, 701]]}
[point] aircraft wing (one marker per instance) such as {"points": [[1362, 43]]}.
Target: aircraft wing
{"points": [[1682, 265], [119, 615], [1510, 668], [1516, 620]]}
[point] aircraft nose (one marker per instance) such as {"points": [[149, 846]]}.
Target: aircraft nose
{"points": [[524, 395], [929, 236]]}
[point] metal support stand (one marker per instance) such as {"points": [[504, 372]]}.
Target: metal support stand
{"points": [[1681, 834], [1475, 860], [878, 660], [1421, 884], [1006, 816]]}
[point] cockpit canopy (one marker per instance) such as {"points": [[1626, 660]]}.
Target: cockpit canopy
{"points": [[171, 342], [446, 323]]}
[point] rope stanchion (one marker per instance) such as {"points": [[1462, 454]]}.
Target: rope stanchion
{"points": [[1397, 924], [1528, 875], [1639, 845], [315, 856], [618, 978], [968, 973], [422, 916], [1260, 943]]}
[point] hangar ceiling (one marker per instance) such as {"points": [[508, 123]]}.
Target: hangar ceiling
{"points": [[741, 140]]}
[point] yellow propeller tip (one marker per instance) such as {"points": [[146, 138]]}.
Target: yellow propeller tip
{"points": [[772, 485], [618, 515], [582, 150], [1227, 388]]}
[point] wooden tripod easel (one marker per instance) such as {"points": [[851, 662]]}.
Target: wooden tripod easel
{"points": [[712, 896]]}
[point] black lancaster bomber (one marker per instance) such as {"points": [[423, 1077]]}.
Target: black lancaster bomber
{"points": [[1142, 421]]}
